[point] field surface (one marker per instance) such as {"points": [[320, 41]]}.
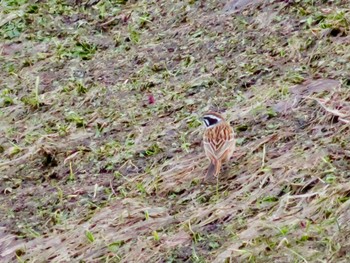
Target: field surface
{"points": [[100, 134]]}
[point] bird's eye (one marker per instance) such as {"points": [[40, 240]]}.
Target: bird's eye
{"points": [[210, 121]]}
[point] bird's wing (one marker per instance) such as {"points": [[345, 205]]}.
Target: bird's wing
{"points": [[218, 140]]}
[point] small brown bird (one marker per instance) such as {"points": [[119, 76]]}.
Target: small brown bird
{"points": [[219, 141]]}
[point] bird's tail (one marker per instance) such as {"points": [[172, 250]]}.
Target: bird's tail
{"points": [[214, 169]]}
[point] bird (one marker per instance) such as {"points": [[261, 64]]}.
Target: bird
{"points": [[218, 141]]}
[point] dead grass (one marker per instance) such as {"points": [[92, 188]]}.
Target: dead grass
{"points": [[100, 140]]}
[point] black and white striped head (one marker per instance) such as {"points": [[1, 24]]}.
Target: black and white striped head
{"points": [[211, 119]]}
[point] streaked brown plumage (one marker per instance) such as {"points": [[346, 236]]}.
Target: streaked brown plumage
{"points": [[219, 141]]}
